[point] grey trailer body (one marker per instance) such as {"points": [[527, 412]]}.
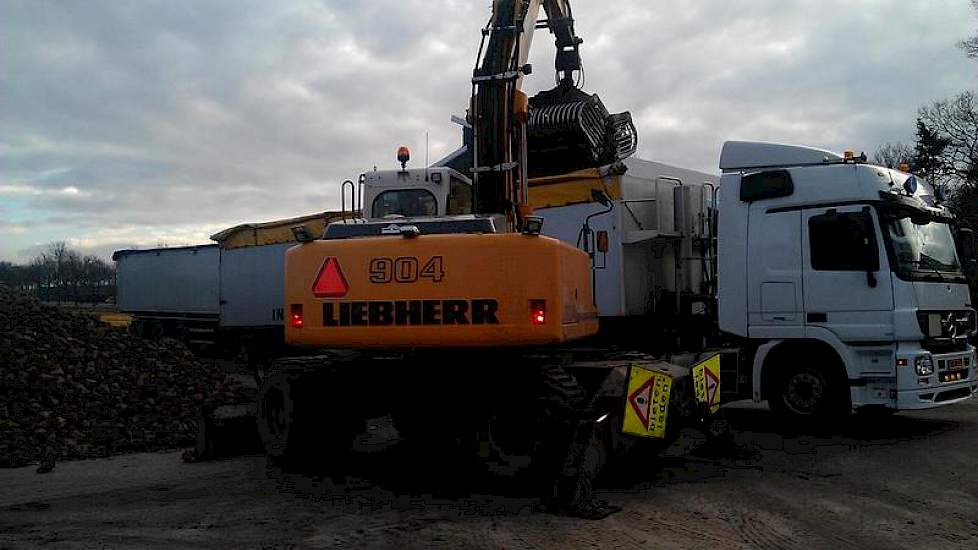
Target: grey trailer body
{"points": [[169, 281], [242, 287], [207, 296], [253, 286], [227, 296]]}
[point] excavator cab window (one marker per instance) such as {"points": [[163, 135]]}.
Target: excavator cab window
{"points": [[406, 203], [459, 197]]}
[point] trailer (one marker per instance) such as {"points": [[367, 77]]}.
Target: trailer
{"points": [[170, 291], [223, 298]]}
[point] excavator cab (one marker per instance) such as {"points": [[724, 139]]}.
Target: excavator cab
{"points": [[393, 194]]}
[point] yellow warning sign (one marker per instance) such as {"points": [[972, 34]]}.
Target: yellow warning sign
{"points": [[646, 402], [706, 381]]}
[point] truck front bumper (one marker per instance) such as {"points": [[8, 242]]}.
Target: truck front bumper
{"points": [[947, 385]]}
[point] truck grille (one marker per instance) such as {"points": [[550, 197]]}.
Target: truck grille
{"points": [[952, 394]]}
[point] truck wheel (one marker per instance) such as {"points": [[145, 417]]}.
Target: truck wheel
{"points": [[806, 394]]}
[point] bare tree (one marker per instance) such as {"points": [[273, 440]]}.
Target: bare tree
{"points": [[951, 139], [61, 274], [955, 122], [970, 46], [892, 155]]}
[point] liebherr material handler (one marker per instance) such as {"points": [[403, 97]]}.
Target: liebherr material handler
{"points": [[467, 329]]}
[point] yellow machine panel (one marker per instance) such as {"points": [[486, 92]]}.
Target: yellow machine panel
{"points": [[573, 188], [274, 232], [458, 290]]}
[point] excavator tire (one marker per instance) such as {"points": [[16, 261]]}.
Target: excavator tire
{"points": [[529, 440], [510, 432], [567, 435], [297, 419]]}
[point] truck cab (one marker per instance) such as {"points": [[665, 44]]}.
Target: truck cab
{"points": [[845, 279]]}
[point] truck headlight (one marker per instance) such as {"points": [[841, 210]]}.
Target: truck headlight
{"points": [[924, 365]]}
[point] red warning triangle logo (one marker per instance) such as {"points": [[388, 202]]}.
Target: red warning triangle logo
{"points": [[330, 282], [641, 400], [712, 383]]}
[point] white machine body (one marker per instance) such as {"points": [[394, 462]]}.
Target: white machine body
{"points": [[659, 235]]}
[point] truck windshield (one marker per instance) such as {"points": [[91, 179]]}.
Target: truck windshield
{"points": [[923, 250], [405, 202]]}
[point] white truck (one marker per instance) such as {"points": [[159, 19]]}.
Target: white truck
{"points": [[828, 284], [843, 280]]}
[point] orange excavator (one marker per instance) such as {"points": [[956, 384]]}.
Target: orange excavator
{"points": [[469, 329]]}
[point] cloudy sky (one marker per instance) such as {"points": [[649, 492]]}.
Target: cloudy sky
{"points": [[136, 123]]}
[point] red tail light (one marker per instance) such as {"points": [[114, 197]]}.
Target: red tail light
{"points": [[295, 316], [538, 312]]}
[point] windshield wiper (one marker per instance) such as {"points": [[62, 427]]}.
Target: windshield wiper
{"points": [[929, 265]]}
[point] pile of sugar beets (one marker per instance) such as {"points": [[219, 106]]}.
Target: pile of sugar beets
{"points": [[73, 387]]}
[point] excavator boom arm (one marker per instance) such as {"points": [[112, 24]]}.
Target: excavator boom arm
{"points": [[499, 150]]}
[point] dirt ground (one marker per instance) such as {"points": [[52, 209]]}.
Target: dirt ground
{"points": [[905, 481]]}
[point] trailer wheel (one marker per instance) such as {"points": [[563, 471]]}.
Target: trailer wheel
{"points": [[805, 393], [137, 328], [153, 330]]}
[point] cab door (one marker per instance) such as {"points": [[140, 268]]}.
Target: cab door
{"points": [[847, 284], [774, 261]]}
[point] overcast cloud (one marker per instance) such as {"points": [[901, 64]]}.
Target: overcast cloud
{"points": [[137, 123]]}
